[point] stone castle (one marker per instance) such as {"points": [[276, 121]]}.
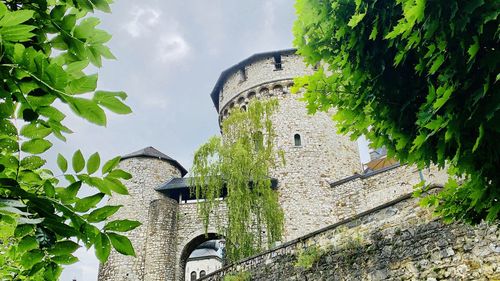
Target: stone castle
{"points": [[322, 186]]}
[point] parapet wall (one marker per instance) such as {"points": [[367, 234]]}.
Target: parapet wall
{"points": [[396, 241]]}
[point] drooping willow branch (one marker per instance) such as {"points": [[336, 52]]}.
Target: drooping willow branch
{"points": [[239, 163]]}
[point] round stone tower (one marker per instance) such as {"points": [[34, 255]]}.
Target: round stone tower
{"points": [[315, 154], [150, 168]]}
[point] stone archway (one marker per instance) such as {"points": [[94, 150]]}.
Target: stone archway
{"points": [[189, 248]]}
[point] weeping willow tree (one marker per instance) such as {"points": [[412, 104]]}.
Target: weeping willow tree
{"points": [[238, 163]]}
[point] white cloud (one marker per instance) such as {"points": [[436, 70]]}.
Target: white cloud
{"points": [[172, 47], [155, 101], [143, 20]]}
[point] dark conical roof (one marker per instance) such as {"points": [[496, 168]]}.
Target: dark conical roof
{"points": [[152, 152]]}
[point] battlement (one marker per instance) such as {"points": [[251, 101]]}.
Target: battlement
{"points": [[260, 75]]}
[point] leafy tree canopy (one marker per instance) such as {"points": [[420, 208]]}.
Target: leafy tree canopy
{"points": [[419, 77], [239, 163], [45, 46]]}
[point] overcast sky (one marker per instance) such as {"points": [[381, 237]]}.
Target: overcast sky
{"points": [[170, 54]]}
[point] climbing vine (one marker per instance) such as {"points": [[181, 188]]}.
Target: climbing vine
{"points": [[238, 163]]}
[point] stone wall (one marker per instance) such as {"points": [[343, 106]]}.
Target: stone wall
{"points": [[160, 257], [191, 232], [397, 241], [258, 73], [148, 173]]}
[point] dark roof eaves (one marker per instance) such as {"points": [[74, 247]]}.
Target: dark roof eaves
{"points": [[224, 74]]}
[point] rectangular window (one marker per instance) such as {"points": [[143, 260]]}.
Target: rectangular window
{"points": [[277, 62], [243, 74]]}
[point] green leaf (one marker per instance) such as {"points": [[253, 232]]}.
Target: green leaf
{"points": [[108, 166], [472, 51], [32, 162], [36, 146], [49, 189], [118, 173], [436, 64], [89, 110], [76, 68], [102, 247], [99, 184], [86, 28], [82, 85], [116, 186], [31, 258], [51, 112], [121, 244], [64, 248], [121, 225], [109, 100], [479, 138], [69, 22], [102, 51], [17, 33], [86, 203], [7, 128], [35, 131], [102, 213], [444, 93], [100, 37], [23, 230], [65, 259], [62, 163], [78, 161], [16, 17], [102, 5], [27, 243], [93, 163], [68, 194], [356, 19]]}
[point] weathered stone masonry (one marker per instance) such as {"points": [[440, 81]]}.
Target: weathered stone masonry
{"points": [[400, 241], [316, 189]]}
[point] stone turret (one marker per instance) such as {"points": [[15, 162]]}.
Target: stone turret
{"points": [[149, 168], [315, 154]]}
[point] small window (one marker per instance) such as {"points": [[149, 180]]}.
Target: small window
{"points": [[277, 62], [278, 89], [297, 140], [251, 95], [202, 273], [193, 275], [243, 74]]}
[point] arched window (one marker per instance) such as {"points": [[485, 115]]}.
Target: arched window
{"points": [[278, 89], [202, 273], [297, 140], [251, 95], [193, 275]]}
